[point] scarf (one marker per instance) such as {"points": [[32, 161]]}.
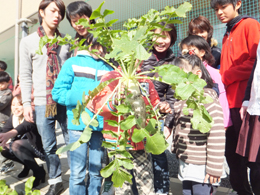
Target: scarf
{"points": [[52, 71]]}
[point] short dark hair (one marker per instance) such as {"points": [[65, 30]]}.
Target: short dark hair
{"points": [[214, 3], [201, 44], [80, 8], [194, 61], [172, 32], [3, 65], [200, 24], [44, 3], [4, 77]]}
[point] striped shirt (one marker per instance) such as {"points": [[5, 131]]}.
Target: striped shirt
{"points": [[194, 147]]}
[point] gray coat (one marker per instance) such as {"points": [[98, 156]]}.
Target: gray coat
{"points": [[5, 105]]}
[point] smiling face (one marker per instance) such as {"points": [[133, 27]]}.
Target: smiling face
{"points": [[17, 107], [162, 43], [225, 13], [81, 30], [51, 16]]}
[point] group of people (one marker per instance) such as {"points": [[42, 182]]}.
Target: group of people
{"points": [[51, 85]]}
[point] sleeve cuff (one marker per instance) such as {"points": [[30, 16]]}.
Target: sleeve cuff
{"points": [[245, 103], [26, 104]]}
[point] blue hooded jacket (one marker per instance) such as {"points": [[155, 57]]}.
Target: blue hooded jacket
{"points": [[78, 74]]}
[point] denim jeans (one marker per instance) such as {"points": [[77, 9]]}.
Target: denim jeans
{"points": [[78, 159], [195, 188], [46, 128]]}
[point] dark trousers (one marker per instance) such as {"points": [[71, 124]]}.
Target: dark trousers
{"points": [[161, 173], [254, 175], [237, 166], [195, 188]]}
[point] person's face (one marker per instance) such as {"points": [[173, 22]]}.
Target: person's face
{"points": [[17, 107], [81, 30], [162, 43], [204, 34], [225, 13], [190, 48], [3, 85], [51, 16], [1, 70]]}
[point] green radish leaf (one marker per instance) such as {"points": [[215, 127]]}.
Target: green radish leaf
{"points": [[109, 132], [86, 135], [185, 111], [151, 126], [112, 123], [139, 135], [75, 145], [107, 12], [126, 163], [141, 53], [175, 22], [36, 192], [124, 153], [120, 176], [29, 185], [184, 91], [108, 145], [85, 118], [206, 100], [15, 193], [111, 153], [182, 9], [111, 22], [123, 109], [108, 170], [64, 148], [156, 144], [96, 13], [128, 123]]}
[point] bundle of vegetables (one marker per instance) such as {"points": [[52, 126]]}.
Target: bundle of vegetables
{"points": [[129, 48]]}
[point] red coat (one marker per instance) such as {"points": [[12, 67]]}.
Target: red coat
{"points": [[100, 99], [237, 59]]}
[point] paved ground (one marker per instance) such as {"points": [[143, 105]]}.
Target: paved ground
{"points": [[18, 184]]}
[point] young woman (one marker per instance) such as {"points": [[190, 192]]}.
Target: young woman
{"points": [[25, 144], [201, 155], [197, 45], [162, 54]]}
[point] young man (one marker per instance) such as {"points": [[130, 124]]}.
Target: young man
{"points": [[75, 11], [3, 67], [237, 59], [40, 71]]}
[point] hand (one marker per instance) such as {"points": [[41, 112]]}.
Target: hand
{"points": [[243, 111], [166, 132], [212, 179], [28, 114], [4, 137], [164, 107]]}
